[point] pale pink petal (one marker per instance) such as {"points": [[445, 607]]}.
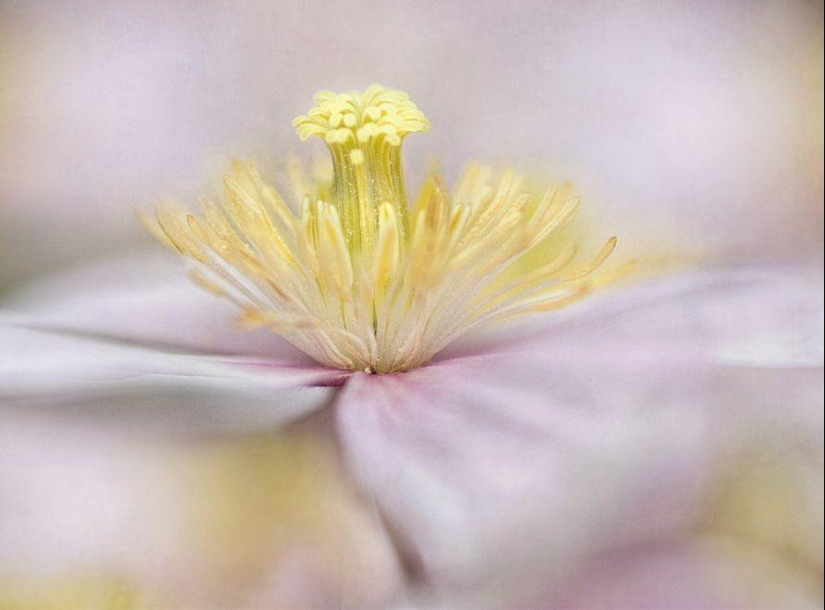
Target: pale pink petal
{"points": [[148, 298], [45, 369], [711, 574], [689, 576], [597, 431], [501, 469], [779, 408], [768, 317]]}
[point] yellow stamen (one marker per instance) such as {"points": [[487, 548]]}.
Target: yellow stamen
{"points": [[347, 273]]}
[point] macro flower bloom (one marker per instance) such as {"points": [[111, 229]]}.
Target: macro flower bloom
{"points": [[356, 280], [486, 437]]}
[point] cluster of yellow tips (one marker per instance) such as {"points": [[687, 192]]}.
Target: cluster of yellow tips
{"points": [[362, 118], [353, 277]]}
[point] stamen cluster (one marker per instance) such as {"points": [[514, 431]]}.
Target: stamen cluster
{"points": [[355, 279]]}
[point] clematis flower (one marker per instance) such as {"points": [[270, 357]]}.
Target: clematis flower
{"points": [[507, 403]]}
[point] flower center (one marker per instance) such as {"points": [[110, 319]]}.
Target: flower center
{"points": [[352, 275]]}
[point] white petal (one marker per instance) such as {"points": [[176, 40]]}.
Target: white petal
{"points": [[44, 368], [148, 298]]}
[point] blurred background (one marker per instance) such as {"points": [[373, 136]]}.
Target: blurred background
{"points": [[702, 121], [691, 127]]}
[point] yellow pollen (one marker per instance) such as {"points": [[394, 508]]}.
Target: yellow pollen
{"points": [[351, 274]]}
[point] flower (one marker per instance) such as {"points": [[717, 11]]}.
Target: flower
{"points": [[493, 454]]}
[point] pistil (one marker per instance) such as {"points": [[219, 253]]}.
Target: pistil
{"points": [[364, 133]]}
